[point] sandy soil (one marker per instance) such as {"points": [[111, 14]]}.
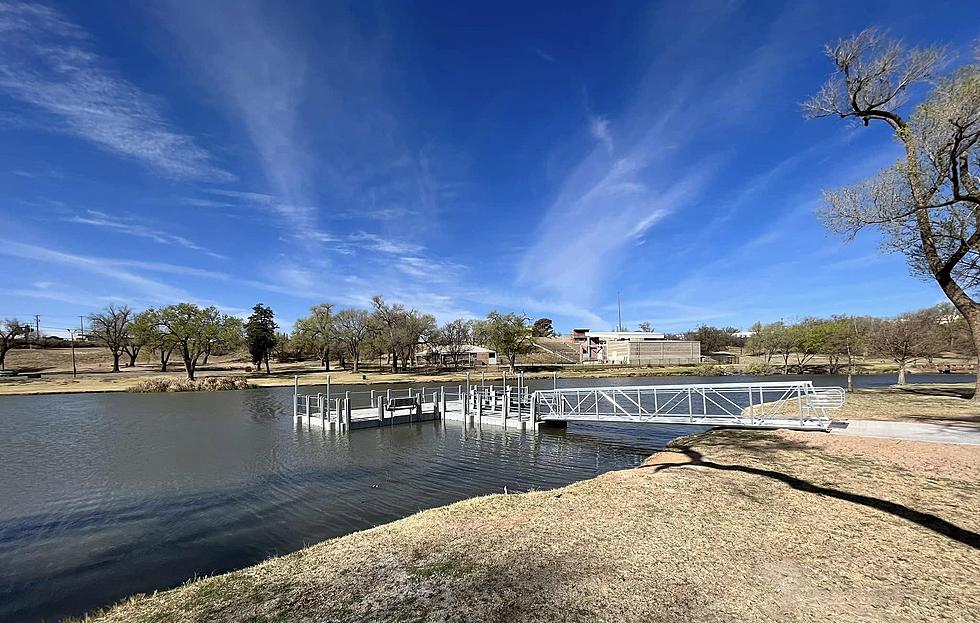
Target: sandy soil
{"points": [[727, 526]]}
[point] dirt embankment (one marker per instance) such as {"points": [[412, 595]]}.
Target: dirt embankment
{"points": [[726, 526]]}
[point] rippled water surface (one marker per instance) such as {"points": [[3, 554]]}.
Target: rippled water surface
{"points": [[106, 495]]}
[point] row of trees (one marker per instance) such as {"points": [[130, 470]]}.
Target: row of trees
{"points": [[194, 332], [387, 331], [912, 336], [392, 332]]}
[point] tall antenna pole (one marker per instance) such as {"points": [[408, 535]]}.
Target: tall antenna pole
{"points": [[619, 306]]}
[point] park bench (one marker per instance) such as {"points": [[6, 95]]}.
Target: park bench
{"points": [[406, 402]]}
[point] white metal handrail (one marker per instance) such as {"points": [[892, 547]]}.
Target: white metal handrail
{"points": [[796, 404]]}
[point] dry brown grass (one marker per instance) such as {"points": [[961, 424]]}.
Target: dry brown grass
{"points": [[727, 526], [937, 404]]}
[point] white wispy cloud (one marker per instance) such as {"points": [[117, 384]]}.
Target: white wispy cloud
{"points": [[129, 227], [148, 289], [599, 127], [261, 78], [48, 62]]}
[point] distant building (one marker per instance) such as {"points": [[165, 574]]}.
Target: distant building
{"points": [[634, 348]]}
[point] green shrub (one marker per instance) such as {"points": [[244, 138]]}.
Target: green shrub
{"points": [[759, 368]]}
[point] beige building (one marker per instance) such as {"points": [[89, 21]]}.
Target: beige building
{"points": [[634, 348]]}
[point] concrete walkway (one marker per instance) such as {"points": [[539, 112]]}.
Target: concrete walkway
{"points": [[937, 433]]}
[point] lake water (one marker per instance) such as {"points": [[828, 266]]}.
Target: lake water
{"points": [[106, 495]]}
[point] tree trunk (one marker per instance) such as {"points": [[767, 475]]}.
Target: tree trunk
{"points": [[164, 360], [115, 361], [901, 374], [326, 360], [973, 322], [267, 364], [356, 364], [132, 359], [3, 355], [189, 364]]}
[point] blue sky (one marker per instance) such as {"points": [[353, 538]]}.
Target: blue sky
{"points": [[457, 157]]}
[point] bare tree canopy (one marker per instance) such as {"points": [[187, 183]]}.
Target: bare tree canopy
{"points": [[928, 203], [353, 328], [315, 333], [10, 328], [111, 329], [454, 338]]}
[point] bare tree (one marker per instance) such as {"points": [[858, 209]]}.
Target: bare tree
{"points": [[316, 332], [9, 330], [905, 339], [111, 328], [928, 203], [454, 338], [353, 328], [400, 331]]}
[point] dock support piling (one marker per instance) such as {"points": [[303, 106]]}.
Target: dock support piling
{"points": [[340, 420], [347, 412], [295, 395]]}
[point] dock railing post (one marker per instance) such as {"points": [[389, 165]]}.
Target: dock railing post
{"points": [[328, 400], [466, 402], [381, 413], [295, 395], [307, 411], [506, 398], [340, 418], [442, 403], [347, 410], [418, 408], [532, 419], [479, 410], [372, 397]]}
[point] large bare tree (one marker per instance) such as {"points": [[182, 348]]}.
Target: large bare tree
{"points": [[928, 203], [9, 330], [111, 328], [353, 327]]}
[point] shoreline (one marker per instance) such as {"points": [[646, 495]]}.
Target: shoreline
{"points": [[586, 551], [107, 382]]}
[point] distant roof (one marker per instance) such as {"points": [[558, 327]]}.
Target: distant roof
{"points": [[465, 348], [621, 335]]}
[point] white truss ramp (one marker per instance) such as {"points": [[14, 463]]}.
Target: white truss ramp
{"points": [[786, 404]]}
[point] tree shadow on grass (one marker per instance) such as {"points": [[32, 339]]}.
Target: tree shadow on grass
{"points": [[948, 391], [926, 520]]}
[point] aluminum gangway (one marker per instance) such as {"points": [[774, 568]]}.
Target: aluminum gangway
{"points": [[780, 404]]}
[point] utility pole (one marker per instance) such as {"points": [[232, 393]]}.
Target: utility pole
{"points": [[81, 324], [37, 330]]}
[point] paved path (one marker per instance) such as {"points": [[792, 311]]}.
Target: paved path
{"points": [[938, 433]]}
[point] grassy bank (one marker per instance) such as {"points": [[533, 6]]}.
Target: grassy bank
{"points": [[726, 526]]}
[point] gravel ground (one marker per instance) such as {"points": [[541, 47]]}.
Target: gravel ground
{"points": [[725, 526]]}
